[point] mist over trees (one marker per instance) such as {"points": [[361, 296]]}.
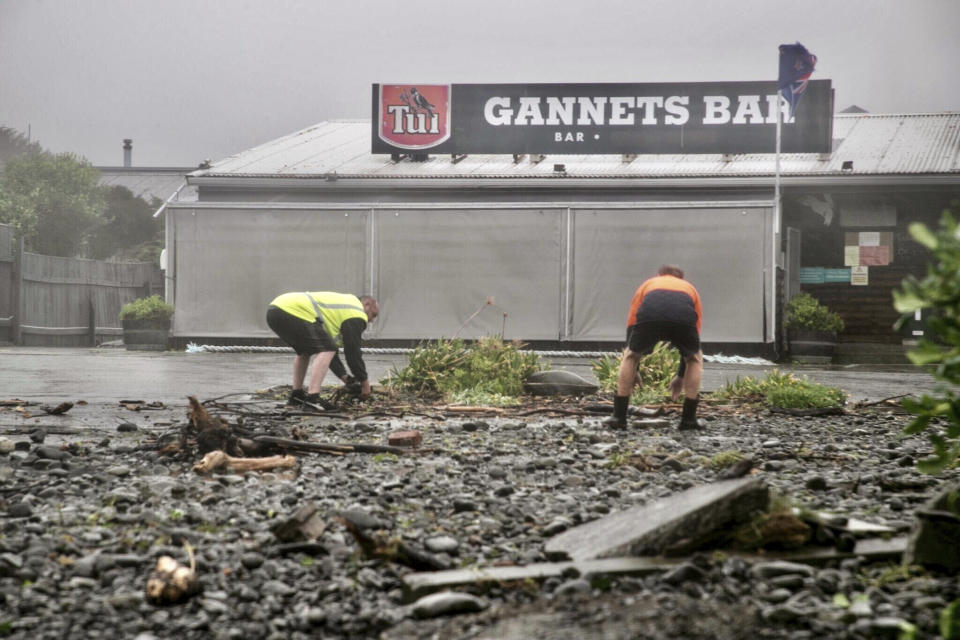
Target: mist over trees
{"points": [[56, 204]]}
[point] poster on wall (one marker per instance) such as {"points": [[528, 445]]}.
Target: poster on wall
{"points": [[867, 248], [860, 276]]}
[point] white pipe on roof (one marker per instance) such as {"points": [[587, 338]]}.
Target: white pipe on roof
{"points": [[170, 199]]}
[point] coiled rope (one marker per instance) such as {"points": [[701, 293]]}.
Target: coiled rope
{"points": [[210, 348]]}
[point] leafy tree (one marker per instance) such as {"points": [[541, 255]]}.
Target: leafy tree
{"points": [[52, 201], [939, 292], [127, 228], [14, 144]]}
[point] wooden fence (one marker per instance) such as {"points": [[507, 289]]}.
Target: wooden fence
{"points": [[54, 301]]}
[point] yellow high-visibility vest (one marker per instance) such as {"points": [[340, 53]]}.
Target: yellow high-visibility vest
{"points": [[334, 308]]}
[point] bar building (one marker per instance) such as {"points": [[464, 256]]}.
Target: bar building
{"points": [[548, 237]]}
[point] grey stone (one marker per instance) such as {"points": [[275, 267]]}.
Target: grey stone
{"points": [[578, 585], [304, 524], [19, 510], [683, 573], [557, 382], [691, 515], [766, 570], [441, 544], [932, 542], [6, 445], [446, 603], [52, 453]]}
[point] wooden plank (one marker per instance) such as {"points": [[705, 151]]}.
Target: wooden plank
{"points": [[416, 585]]}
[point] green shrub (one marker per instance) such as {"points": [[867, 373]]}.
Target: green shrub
{"points": [[783, 390], [488, 366], [654, 373], [938, 291], [805, 312], [146, 309]]}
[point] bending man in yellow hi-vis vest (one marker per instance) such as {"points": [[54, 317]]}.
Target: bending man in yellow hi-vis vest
{"points": [[315, 322]]}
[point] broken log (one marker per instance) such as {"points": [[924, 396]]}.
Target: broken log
{"points": [[218, 460], [61, 408], [820, 411], [212, 433], [380, 546], [335, 449], [467, 409], [300, 445]]}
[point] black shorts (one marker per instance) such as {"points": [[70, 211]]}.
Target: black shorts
{"points": [[306, 338], [644, 336]]}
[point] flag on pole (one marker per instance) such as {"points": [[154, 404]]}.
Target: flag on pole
{"points": [[796, 65]]}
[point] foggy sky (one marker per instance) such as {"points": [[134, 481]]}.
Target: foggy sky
{"points": [[196, 79]]}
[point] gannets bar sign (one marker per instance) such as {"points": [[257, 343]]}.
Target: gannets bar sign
{"points": [[707, 117]]}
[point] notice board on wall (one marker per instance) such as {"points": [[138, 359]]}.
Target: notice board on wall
{"points": [[867, 248]]}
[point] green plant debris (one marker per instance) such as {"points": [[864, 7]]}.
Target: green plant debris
{"points": [[654, 373], [777, 529], [936, 294], [475, 397], [779, 389], [724, 459], [447, 367], [950, 621]]}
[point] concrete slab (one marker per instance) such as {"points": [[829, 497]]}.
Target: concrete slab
{"points": [[691, 515]]}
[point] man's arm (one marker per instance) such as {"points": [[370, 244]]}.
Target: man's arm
{"points": [[351, 330]]}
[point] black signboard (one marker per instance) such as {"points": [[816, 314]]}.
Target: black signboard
{"points": [[661, 118]]}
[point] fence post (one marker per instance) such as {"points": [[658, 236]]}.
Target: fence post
{"points": [[16, 306], [92, 321]]}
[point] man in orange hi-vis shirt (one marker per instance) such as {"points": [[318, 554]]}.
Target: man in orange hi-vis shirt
{"points": [[664, 308]]}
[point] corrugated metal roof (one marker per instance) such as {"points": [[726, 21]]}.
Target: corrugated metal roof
{"points": [[148, 183], [876, 144]]}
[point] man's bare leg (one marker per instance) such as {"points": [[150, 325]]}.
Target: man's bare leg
{"points": [[321, 364]]}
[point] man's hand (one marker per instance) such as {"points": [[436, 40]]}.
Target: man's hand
{"points": [[676, 388]]}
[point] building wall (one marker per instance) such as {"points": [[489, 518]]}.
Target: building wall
{"points": [[470, 269], [834, 219]]}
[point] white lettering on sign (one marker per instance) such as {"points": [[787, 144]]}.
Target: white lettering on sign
{"points": [[529, 112], [748, 110], [649, 106], [717, 109], [405, 121], [569, 136], [591, 110], [497, 111], [676, 108], [560, 110], [618, 110], [614, 111]]}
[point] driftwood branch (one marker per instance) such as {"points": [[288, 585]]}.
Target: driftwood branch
{"points": [[219, 460], [825, 411], [872, 403]]}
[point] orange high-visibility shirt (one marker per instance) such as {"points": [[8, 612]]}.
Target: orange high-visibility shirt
{"points": [[666, 299]]}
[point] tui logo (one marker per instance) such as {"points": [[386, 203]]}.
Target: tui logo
{"points": [[414, 116]]}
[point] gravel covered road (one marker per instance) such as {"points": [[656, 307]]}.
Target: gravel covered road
{"points": [[87, 505]]}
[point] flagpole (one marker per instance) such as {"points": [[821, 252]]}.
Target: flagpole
{"points": [[776, 223]]}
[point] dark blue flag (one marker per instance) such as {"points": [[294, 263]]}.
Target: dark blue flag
{"points": [[796, 65]]}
